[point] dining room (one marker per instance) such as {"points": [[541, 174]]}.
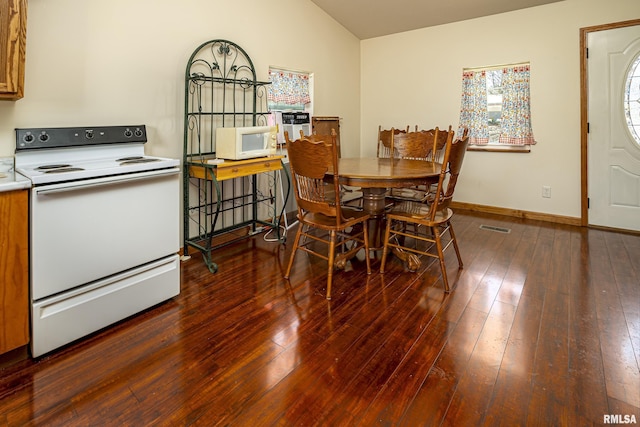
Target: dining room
{"points": [[530, 318]]}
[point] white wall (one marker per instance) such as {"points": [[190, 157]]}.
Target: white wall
{"points": [[415, 78], [92, 63], [122, 62]]}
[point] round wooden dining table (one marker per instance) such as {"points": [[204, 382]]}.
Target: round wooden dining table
{"points": [[375, 175]]}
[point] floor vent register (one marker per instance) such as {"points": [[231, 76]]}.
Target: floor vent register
{"points": [[496, 229]]}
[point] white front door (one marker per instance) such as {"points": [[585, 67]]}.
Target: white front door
{"points": [[613, 151]]}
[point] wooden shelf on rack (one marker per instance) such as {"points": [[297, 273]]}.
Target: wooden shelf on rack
{"points": [[230, 169]]}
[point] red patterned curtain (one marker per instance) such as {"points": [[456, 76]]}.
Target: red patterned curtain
{"points": [[495, 105], [516, 112], [289, 90]]}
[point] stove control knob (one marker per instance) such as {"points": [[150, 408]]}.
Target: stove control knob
{"points": [[88, 134], [128, 133], [44, 137], [28, 138], [138, 132]]}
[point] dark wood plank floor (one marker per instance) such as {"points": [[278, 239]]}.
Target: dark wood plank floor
{"points": [[542, 328]]}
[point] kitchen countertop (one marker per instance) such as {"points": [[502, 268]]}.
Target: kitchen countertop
{"points": [[9, 179]]}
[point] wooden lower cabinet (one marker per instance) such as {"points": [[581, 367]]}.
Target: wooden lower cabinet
{"points": [[14, 269], [322, 125]]}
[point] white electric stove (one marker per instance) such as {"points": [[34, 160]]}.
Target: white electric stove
{"points": [[104, 228]]}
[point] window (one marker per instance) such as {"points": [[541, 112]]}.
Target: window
{"points": [[495, 107], [632, 100]]}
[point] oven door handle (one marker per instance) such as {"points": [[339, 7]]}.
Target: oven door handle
{"points": [[100, 182]]}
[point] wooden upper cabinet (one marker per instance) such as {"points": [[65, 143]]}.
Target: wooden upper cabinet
{"points": [[13, 37]]}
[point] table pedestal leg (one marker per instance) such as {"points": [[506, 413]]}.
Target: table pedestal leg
{"points": [[373, 203]]}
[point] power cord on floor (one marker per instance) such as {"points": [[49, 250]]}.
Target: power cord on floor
{"points": [[287, 226]]}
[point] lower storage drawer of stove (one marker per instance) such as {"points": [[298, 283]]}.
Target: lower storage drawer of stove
{"points": [[61, 319]]}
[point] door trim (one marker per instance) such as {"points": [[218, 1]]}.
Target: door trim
{"points": [[584, 118]]}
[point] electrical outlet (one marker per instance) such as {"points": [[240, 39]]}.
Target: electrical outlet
{"points": [[546, 191]]}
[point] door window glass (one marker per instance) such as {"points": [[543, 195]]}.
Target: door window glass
{"points": [[632, 100]]}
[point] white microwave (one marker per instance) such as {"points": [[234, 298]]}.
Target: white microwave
{"points": [[239, 143]]}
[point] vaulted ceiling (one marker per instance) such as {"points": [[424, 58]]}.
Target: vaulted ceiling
{"points": [[374, 18]]}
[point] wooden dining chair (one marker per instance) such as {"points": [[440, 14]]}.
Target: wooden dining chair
{"points": [[323, 220], [385, 138], [439, 141], [351, 196], [419, 146], [412, 145], [315, 136], [435, 216]]}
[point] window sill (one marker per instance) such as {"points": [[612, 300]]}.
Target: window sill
{"points": [[495, 148]]}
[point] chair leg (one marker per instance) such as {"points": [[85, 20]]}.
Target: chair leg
{"points": [[385, 248], [296, 241], [443, 268], [332, 254], [455, 244]]}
